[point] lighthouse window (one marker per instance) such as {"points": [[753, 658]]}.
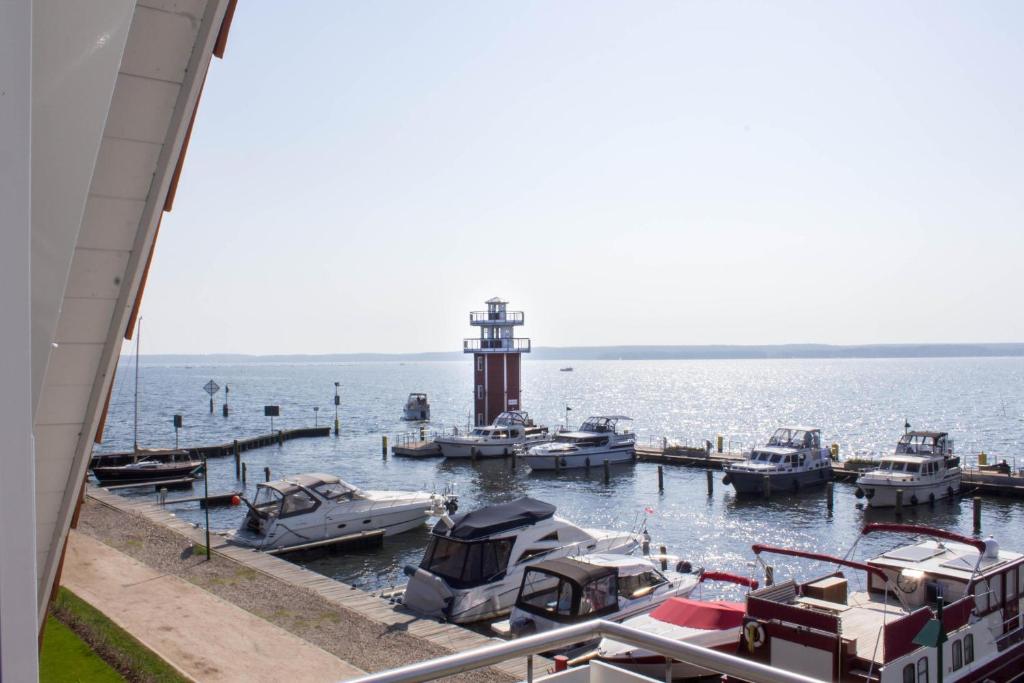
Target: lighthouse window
{"points": [[968, 648], [922, 670], [480, 364], [909, 674], [958, 655], [479, 390]]}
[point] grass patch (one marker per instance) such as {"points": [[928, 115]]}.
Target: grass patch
{"points": [[133, 660], [67, 658]]}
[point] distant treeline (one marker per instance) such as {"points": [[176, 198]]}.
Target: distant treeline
{"points": [[628, 353]]}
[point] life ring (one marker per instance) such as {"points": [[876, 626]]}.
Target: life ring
{"points": [[754, 633], [859, 492], [726, 480]]}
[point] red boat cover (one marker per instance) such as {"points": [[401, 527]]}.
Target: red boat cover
{"points": [[706, 615]]}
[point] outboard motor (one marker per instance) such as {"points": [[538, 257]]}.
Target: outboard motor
{"points": [[427, 594]]}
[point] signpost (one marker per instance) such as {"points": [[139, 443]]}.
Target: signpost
{"points": [[272, 412], [211, 388]]}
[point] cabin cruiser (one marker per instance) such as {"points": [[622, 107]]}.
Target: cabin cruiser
{"points": [[596, 441], [713, 624], [941, 590], [417, 408], [474, 563], [571, 590], [511, 430], [923, 467], [793, 459], [308, 510], [149, 465]]}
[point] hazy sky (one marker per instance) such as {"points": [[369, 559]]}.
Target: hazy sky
{"points": [[363, 174]]}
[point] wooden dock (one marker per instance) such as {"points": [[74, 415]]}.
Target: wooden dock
{"points": [[218, 450], [417, 449], [448, 636]]}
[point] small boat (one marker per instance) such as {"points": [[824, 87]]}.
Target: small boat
{"points": [[713, 624], [473, 565], [793, 460], [923, 467], [596, 441], [571, 590], [511, 430], [308, 510], [888, 632], [152, 465], [417, 408], [567, 369]]}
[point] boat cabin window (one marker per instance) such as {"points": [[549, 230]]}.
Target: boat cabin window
{"points": [[465, 564], [639, 584], [921, 444], [334, 491], [913, 467], [776, 458], [599, 595], [297, 502], [547, 592], [795, 438], [267, 500]]}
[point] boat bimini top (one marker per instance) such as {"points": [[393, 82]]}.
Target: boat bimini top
{"points": [[495, 518]]}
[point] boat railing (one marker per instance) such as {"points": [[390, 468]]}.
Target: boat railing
{"points": [[529, 646]]}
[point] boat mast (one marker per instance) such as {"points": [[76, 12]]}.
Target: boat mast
{"points": [[138, 340]]}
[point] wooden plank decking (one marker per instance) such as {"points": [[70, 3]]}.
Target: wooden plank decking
{"points": [[448, 636]]}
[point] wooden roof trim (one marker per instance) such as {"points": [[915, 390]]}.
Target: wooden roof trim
{"points": [[225, 28]]}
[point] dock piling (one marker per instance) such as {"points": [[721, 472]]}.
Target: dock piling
{"points": [[587, 463], [899, 502], [163, 495], [280, 437], [266, 474], [663, 551], [661, 480], [977, 514], [384, 446], [720, 442], [767, 486], [243, 474], [607, 472], [829, 493], [711, 482], [238, 460]]}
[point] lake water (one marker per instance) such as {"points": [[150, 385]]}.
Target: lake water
{"points": [[859, 404]]}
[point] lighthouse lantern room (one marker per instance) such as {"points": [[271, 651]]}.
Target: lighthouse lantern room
{"points": [[496, 360]]}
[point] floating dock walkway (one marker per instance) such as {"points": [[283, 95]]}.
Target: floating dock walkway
{"points": [[448, 636], [216, 451]]}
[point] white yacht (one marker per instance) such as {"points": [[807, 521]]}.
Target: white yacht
{"points": [[571, 590], [923, 467], [417, 408], [510, 430], [308, 510], [596, 441], [473, 566]]}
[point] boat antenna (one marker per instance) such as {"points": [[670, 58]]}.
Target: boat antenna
{"points": [[135, 430]]}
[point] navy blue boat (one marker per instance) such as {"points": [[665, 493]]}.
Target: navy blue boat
{"points": [[792, 461]]}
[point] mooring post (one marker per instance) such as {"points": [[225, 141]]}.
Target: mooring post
{"points": [[266, 474], [767, 486], [977, 514], [206, 504], [423, 433], [238, 460], [280, 437], [829, 491], [899, 501], [243, 474], [711, 481], [661, 480], [586, 463], [384, 446], [769, 575], [663, 551], [163, 495], [721, 440], [227, 390], [607, 472]]}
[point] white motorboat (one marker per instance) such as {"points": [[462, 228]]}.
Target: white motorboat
{"points": [[923, 467], [417, 408], [511, 430], [308, 510], [474, 563], [713, 624], [596, 441], [794, 459], [571, 590]]}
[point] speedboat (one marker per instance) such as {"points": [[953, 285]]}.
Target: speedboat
{"points": [[713, 624], [474, 563], [571, 590], [511, 430], [923, 467], [793, 460], [595, 442], [310, 510], [153, 467], [417, 408], [942, 590]]}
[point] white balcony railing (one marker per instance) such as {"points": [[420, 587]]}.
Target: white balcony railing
{"points": [[506, 345]]}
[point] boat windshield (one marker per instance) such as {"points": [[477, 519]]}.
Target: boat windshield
{"points": [[794, 438], [921, 444], [466, 564], [546, 592], [267, 500], [598, 424], [891, 466], [337, 491]]}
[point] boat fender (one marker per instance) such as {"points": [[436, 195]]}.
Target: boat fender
{"points": [[859, 492], [505, 452], [754, 633], [472, 452], [796, 486], [949, 491], [870, 493], [913, 500], [726, 480], [931, 499], [452, 505], [563, 462]]}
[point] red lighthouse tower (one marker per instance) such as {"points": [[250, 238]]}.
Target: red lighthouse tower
{"points": [[496, 356]]}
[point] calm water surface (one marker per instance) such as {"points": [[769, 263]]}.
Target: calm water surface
{"points": [[860, 404]]}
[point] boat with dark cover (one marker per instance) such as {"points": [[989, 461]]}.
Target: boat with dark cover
{"points": [[793, 460]]}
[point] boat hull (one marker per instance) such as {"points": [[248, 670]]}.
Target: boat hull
{"points": [[574, 460], [883, 495], [124, 475], [751, 483]]}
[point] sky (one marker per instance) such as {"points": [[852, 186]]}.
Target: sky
{"points": [[363, 174]]}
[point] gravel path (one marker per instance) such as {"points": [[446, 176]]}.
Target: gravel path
{"points": [[365, 643]]}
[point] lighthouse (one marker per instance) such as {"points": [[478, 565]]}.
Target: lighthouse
{"points": [[496, 360]]}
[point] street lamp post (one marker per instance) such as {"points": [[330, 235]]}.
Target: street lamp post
{"points": [[316, 412]]}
